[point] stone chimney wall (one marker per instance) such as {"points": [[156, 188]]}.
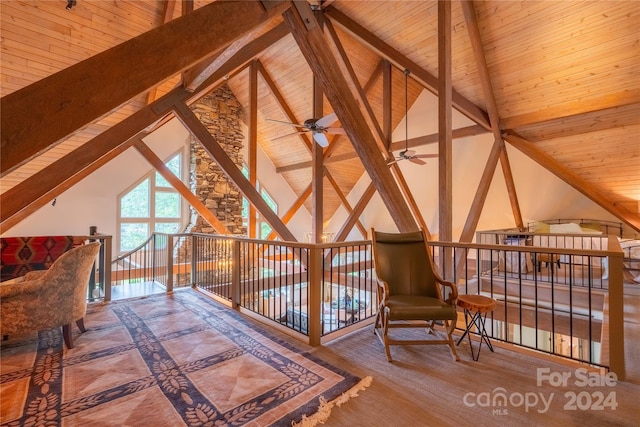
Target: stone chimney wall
{"points": [[221, 113]]}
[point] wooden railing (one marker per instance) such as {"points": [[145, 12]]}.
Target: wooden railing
{"points": [[320, 291]]}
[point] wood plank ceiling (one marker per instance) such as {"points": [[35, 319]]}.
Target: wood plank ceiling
{"points": [[565, 78]]}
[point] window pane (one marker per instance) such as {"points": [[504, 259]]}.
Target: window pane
{"points": [[265, 230], [167, 227], [267, 198], [132, 235], [135, 204], [245, 208], [167, 205], [174, 166]]}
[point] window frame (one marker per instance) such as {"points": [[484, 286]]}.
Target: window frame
{"points": [[152, 220]]}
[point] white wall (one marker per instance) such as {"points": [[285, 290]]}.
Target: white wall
{"points": [[93, 201], [279, 189], [541, 194]]}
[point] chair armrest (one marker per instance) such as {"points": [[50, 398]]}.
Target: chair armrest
{"points": [[454, 291], [8, 290], [35, 274], [384, 287]]}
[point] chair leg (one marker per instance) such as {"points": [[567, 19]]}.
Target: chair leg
{"points": [[387, 347], [450, 327], [80, 323], [68, 336]]}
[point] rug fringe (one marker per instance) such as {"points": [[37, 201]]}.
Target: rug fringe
{"points": [[324, 410]]}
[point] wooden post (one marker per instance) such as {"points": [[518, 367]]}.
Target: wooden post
{"points": [[616, 310], [106, 266], [235, 275], [194, 259], [315, 295], [169, 262]]}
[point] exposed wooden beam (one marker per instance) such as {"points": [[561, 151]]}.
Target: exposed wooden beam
{"points": [[283, 103], [484, 185], [445, 120], [167, 15], [293, 209], [481, 66], [317, 182], [311, 42], [576, 108], [184, 191], [217, 153], [42, 187], [546, 161], [359, 92], [398, 145], [252, 148], [304, 165], [343, 199], [492, 109], [445, 145], [344, 231], [187, 7], [374, 76], [247, 53], [461, 104], [195, 76], [82, 93], [511, 187]]}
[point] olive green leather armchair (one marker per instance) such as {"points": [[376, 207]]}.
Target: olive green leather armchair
{"points": [[47, 299], [410, 292]]}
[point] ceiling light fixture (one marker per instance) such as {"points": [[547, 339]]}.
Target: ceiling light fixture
{"points": [[70, 4]]}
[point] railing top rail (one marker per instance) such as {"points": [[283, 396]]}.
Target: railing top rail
{"points": [[304, 245], [136, 249], [521, 248]]}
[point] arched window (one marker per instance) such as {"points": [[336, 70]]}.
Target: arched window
{"points": [[151, 204]]}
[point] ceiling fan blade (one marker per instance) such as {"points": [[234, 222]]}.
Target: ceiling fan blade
{"points": [[289, 134], [392, 161], [285, 123], [424, 156], [408, 153], [417, 161], [336, 131], [327, 120], [321, 139]]}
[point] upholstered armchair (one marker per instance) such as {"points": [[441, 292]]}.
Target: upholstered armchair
{"points": [[51, 298], [410, 292]]}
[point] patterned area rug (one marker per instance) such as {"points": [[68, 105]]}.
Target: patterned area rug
{"points": [[165, 360]]}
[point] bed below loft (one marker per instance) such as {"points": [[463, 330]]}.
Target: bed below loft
{"points": [[592, 235], [631, 259]]}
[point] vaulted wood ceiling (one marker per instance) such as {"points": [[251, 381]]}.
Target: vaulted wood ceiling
{"points": [[564, 78]]}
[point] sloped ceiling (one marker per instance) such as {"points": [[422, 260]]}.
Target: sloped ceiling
{"points": [[564, 75]]}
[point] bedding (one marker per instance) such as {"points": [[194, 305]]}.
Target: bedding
{"points": [[631, 260]]}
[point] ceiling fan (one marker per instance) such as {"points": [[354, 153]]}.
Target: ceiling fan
{"points": [[318, 127], [412, 157], [407, 154]]}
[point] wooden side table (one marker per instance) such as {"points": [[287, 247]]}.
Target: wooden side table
{"points": [[475, 309]]}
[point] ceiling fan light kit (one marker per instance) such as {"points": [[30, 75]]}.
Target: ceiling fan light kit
{"points": [[317, 127]]}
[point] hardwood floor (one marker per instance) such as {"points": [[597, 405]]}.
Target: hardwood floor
{"points": [[424, 387], [136, 290]]}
